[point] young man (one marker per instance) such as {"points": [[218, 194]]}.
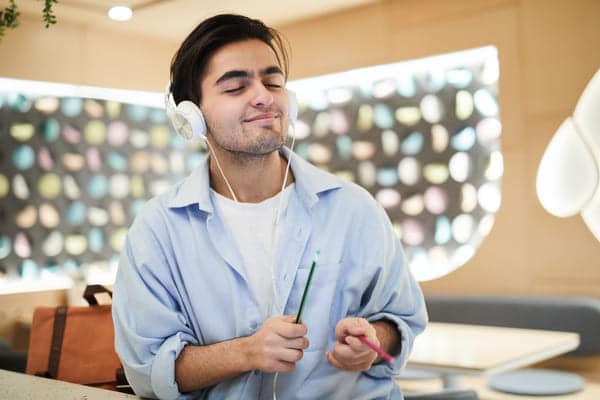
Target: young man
{"points": [[212, 274]]}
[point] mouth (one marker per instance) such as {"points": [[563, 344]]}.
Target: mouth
{"points": [[262, 118]]}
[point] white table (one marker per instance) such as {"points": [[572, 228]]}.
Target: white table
{"points": [[16, 386], [453, 350]]}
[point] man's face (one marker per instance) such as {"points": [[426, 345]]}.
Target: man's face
{"points": [[244, 100]]}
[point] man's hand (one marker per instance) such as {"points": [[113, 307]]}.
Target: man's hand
{"points": [[278, 345], [349, 353]]}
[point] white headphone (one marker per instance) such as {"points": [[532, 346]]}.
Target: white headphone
{"points": [[188, 120]]}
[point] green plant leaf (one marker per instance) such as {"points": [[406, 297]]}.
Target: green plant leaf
{"points": [[9, 16]]}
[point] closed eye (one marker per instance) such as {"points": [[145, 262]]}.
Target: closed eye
{"points": [[234, 90]]}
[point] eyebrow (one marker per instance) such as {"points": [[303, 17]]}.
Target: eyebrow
{"points": [[237, 74]]}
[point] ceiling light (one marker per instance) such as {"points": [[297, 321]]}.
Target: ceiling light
{"points": [[120, 13]]}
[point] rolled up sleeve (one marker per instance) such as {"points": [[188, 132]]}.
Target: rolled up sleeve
{"points": [[150, 328], [392, 294]]}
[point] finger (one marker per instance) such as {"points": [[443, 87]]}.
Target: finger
{"points": [[343, 364], [288, 318], [291, 331], [351, 326], [278, 319], [356, 345], [281, 319], [282, 366], [359, 329], [342, 349], [351, 358], [299, 343], [345, 354], [287, 367], [332, 360], [353, 347], [290, 355]]}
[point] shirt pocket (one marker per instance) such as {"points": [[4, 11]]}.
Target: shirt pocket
{"points": [[317, 310]]}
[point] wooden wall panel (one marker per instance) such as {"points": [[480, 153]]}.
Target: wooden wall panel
{"points": [[72, 53]]}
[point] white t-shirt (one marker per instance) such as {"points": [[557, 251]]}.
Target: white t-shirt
{"points": [[255, 233]]}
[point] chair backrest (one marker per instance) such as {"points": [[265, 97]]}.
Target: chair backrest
{"points": [[10, 359], [447, 394], [574, 314]]}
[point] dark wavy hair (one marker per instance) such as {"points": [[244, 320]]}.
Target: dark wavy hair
{"points": [[189, 63]]}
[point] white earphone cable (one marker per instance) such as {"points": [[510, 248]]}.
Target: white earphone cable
{"points": [[285, 177], [213, 154], [275, 223]]}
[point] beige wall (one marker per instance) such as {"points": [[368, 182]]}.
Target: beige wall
{"points": [[548, 51], [79, 54]]}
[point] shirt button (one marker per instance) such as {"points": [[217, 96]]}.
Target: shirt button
{"points": [[253, 325]]}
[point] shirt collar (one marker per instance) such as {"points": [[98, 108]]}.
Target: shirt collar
{"points": [[310, 182]]}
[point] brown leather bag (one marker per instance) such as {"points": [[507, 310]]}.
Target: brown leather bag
{"points": [[76, 344]]}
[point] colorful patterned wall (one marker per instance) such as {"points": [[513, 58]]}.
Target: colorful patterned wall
{"points": [[74, 172], [422, 136]]}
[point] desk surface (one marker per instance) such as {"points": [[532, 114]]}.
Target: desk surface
{"points": [[475, 349], [18, 386], [591, 391]]}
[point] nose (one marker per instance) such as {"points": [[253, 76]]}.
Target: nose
{"points": [[261, 96]]}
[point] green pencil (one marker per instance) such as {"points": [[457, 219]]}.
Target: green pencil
{"points": [[304, 295]]}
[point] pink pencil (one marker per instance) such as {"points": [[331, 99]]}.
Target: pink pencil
{"points": [[376, 349]]}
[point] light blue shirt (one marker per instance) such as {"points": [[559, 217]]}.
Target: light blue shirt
{"points": [[181, 280]]}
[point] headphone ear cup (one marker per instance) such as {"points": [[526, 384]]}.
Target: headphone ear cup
{"points": [[292, 106], [189, 121]]}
